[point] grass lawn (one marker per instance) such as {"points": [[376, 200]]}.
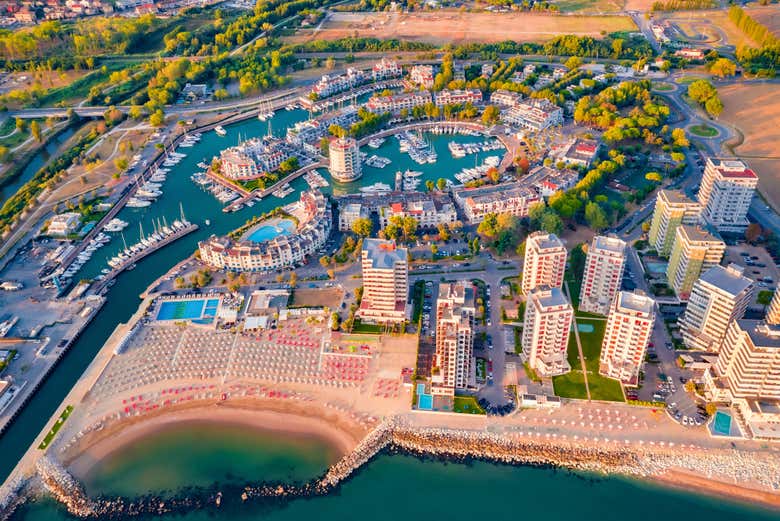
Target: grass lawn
{"points": [[518, 340], [80, 88], [687, 80], [418, 293], [467, 405], [481, 369], [53, 432], [589, 6], [572, 384], [359, 327], [703, 131], [662, 87], [7, 360], [636, 180]]}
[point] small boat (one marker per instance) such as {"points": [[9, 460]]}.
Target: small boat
{"points": [[220, 130]]}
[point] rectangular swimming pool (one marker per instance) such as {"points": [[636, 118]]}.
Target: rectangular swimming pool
{"points": [[187, 309], [424, 401], [721, 425]]}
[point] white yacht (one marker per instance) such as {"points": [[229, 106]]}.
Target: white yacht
{"points": [[220, 130]]}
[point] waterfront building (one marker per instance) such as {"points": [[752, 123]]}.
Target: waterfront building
{"points": [[546, 329], [672, 208], [64, 224], [385, 282], [254, 158], [603, 274], [773, 311], [344, 155], [385, 69], [545, 261], [629, 328], [718, 298], [695, 250], [577, 152], [422, 75], [313, 228], [453, 361], [514, 198], [534, 114], [429, 209], [311, 131], [458, 97], [330, 85], [546, 180], [505, 98], [727, 188], [395, 103]]}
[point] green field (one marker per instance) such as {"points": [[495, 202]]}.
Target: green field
{"points": [[703, 131], [481, 369], [467, 405], [589, 6], [572, 384], [54, 430], [663, 87]]}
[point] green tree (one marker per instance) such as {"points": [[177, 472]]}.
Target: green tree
{"points": [[595, 216], [654, 177], [362, 226], [701, 91], [573, 62], [157, 118], [723, 67], [764, 298], [490, 115], [714, 106], [551, 223], [441, 184], [35, 130]]}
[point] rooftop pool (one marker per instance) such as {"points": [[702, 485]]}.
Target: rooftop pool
{"points": [[269, 230]]}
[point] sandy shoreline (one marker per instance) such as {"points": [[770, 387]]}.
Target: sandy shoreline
{"points": [[283, 420], [687, 481]]}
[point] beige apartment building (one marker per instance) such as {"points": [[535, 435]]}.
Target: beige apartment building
{"points": [[718, 298], [727, 188], [452, 365], [547, 326], [385, 282], [344, 155], [696, 249], [672, 208], [545, 261], [629, 328], [603, 274]]}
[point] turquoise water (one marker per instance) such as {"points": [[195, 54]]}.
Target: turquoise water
{"points": [[585, 328], [656, 268], [424, 401], [721, 425], [187, 309], [266, 232]]}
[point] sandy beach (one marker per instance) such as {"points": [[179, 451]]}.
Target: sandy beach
{"points": [[688, 481], [284, 418]]}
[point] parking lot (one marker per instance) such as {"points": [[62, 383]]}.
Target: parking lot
{"points": [[758, 265]]}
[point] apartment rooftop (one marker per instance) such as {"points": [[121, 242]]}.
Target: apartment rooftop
{"points": [[730, 279], [612, 244], [761, 334], [546, 241], [732, 168], [383, 254], [548, 297], [676, 197], [638, 302], [700, 233]]}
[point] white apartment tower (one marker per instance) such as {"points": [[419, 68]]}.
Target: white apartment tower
{"points": [[726, 191], [603, 274], [455, 310], [672, 208], [629, 327], [749, 361], [718, 298], [344, 156], [385, 282], [545, 261], [547, 325], [773, 312]]}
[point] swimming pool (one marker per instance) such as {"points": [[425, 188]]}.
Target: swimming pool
{"points": [[270, 230], [585, 328], [193, 309], [721, 425], [656, 268], [424, 401]]}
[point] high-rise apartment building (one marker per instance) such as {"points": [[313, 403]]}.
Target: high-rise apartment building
{"points": [[727, 188], [385, 282], [696, 249], [773, 311], [629, 328], [455, 310], [344, 155], [718, 298], [672, 208], [748, 365], [546, 329], [603, 274], [545, 261]]}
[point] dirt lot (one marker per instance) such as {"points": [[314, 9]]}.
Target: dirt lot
{"points": [[46, 79], [714, 25], [757, 273], [455, 27], [639, 5], [768, 16], [755, 110], [314, 297]]}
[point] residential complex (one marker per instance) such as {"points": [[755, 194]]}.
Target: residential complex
{"points": [[385, 69], [395, 103], [452, 365], [718, 298], [505, 98], [629, 328], [545, 261], [422, 75], [330, 85], [514, 198], [344, 155], [603, 274], [534, 114], [773, 311], [385, 282], [428, 209], [253, 158], [547, 325], [309, 132], [672, 208], [458, 97], [314, 226], [64, 224], [546, 180], [577, 152], [726, 191], [695, 250]]}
